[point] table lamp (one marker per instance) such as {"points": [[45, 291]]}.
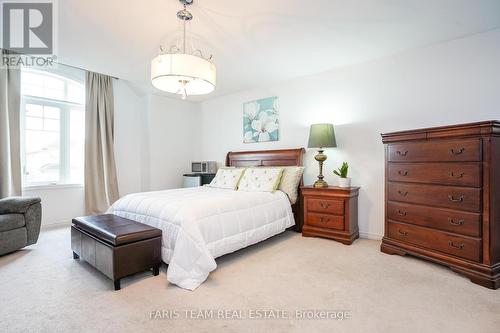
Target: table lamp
{"points": [[321, 136]]}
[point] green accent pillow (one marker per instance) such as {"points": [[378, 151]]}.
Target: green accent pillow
{"points": [[290, 182], [260, 179], [227, 178]]}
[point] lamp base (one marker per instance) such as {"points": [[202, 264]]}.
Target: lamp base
{"points": [[320, 183], [320, 157]]}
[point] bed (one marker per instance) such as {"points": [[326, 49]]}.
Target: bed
{"points": [[203, 223]]}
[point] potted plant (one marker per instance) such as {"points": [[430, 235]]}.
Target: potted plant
{"points": [[344, 181]]}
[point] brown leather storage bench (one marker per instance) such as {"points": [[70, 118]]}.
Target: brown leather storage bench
{"points": [[116, 246]]}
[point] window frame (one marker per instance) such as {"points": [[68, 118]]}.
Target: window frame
{"points": [[65, 108]]}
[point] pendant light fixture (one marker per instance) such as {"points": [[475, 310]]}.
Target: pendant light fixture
{"points": [[180, 72]]}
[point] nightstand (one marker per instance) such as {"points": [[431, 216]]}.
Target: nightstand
{"points": [[331, 212]]}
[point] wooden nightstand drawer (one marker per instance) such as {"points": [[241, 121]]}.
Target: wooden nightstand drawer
{"points": [[326, 206], [325, 221]]}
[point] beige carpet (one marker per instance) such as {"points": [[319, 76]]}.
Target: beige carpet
{"points": [[44, 290]]}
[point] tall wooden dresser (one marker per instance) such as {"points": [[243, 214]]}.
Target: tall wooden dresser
{"points": [[442, 193]]}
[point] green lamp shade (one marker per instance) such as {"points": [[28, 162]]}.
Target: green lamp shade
{"points": [[322, 136]]}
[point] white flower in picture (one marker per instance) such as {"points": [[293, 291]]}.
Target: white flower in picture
{"points": [[264, 126], [261, 120], [251, 110]]}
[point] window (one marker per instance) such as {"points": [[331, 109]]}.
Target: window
{"points": [[53, 127]]}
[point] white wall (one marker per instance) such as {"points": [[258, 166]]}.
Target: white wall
{"points": [[131, 114], [155, 138], [452, 82], [59, 204], [173, 128]]}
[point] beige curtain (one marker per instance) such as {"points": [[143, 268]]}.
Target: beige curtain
{"points": [[101, 187], [10, 132]]}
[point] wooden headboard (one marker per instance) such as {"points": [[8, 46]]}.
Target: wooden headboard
{"points": [[279, 157]]}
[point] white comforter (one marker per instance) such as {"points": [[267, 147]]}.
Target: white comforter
{"points": [[200, 224]]}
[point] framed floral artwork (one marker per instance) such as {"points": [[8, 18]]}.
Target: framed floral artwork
{"points": [[261, 120]]}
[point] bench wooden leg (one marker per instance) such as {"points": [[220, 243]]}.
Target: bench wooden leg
{"points": [[117, 285], [156, 270], [75, 256]]}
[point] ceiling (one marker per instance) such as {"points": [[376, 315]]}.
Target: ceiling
{"points": [[260, 41]]}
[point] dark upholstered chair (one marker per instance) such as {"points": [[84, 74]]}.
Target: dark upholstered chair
{"points": [[20, 220]]}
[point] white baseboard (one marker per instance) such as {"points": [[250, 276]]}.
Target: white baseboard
{"points": [[61, 224], [370, 235]]}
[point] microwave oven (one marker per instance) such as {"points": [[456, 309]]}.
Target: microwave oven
{"points": [[204, 167]]}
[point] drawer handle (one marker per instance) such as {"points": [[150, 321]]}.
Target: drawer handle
{"points": [[402, 233], [402, 153], [324, 205], [453, 222], [457, 152], [403, 172], [453, 199], [403, 193], [324, 219], [400, 212], [453, 245], [456, 175]]}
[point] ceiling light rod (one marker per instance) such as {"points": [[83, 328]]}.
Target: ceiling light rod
{"points": [[184, 15]]}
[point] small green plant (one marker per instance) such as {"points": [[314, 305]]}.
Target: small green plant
{"points": [[342, 171]]}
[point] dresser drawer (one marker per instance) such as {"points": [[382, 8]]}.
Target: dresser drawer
{"points": [[463, 223], [437, 151], [325, 206], [463, 247], [461, 198], [461, 174], [325, 221]]}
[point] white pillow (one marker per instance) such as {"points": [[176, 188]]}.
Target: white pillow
{"points": [[290, 181], [227, 178], [260, 179]]}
